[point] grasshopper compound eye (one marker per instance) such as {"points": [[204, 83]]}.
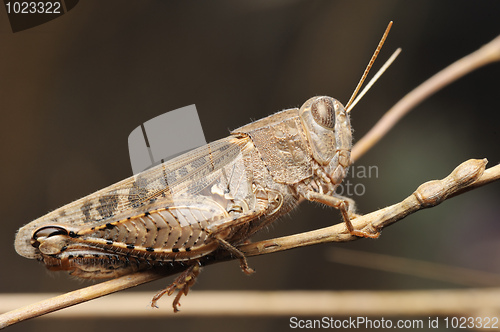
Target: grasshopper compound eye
{"points": [[323, 112]]}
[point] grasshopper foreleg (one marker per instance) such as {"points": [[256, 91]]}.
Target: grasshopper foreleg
{"points": [[346, 207]]}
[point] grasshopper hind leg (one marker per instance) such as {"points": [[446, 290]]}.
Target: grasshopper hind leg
{"points": [[182, 283]]}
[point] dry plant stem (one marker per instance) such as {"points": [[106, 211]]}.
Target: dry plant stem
{"points": [[427, 195], [485, 55], [470, 302], [76, 297], [378, 219], [489, 175]]}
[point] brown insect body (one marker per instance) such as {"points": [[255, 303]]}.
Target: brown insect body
{"points": [[213, 197]]}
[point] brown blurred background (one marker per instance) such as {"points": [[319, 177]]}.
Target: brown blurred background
{"points": [[71, 91]]}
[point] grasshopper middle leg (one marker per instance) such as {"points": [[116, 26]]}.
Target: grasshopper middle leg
{"points": [[233, 250]]}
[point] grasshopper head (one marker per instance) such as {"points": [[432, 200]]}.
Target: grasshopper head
{"points": [[328, 130]]}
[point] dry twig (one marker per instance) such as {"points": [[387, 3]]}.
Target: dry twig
{"points": [[477, 302], [427, 195]]}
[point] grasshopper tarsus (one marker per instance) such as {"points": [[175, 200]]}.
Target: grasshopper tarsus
{"points": [[246, 269], [362, 233]]}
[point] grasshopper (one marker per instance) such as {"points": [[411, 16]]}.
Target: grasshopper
{"points": [[212, 198]]}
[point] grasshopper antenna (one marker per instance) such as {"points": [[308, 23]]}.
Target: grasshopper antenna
{"points": [[368, 67], [375, 78]]}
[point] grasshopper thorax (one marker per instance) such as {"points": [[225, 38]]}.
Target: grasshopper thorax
{"points": [[328, 130]]}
